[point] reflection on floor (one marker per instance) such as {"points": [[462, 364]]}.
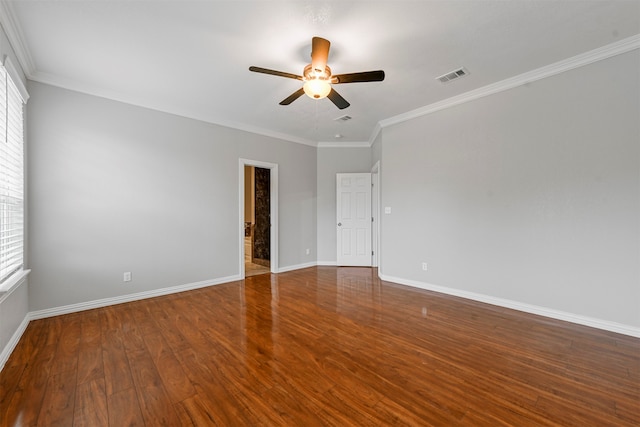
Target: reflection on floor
{"points": [[251, 269]]}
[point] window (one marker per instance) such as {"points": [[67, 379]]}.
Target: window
{"points": [[11, 176]]}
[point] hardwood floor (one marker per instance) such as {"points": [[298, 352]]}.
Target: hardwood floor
{"points": [[320, 346], [251, 269]]}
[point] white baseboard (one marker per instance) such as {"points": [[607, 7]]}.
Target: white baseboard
{"points": [[327, 263], [56, 311], [296, 267], [8, 349], [527, 308]]}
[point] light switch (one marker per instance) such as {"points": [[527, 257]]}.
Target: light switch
{"points": [[387, 210]]}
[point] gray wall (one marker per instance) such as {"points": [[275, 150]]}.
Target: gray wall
{"points": [[330, 162], [13, 308], [116, 188], [530, 195]]}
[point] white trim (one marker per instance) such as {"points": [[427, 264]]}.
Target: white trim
{"points": [[327, 263], [15, 338], [527, 308], [622, 46], [259, 131], [297, 267], [583, 320], [12, 284], [16, 39], [89, 305], [76, 86], [375, 213], [344, 144], [16, 78], [14, 33], [74, 308], [376, 130], [273, 167]]}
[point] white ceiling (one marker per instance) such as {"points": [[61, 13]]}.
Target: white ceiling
{"points": [[192, 57]]}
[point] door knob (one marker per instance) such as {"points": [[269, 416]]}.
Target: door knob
{"points": [[339, 224]]}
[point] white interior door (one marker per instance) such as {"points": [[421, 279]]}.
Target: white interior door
{"points": [[353, 219]]}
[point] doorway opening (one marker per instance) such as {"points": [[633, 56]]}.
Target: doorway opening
{"points": [[258, 217], [257, 221]]}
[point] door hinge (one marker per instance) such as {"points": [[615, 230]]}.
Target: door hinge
{"points": [[371, 219], [371, 252]]}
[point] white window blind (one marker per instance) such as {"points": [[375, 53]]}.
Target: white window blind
{"points": [[11, 178]]}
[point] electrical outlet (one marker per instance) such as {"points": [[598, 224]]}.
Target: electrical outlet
{"points": [[127, 276], [424, 266], [307, 251]]}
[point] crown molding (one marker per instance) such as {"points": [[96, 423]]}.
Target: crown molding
{"points": [[17, 41], [262, 131], [77, 86], [617, 48], [344, 144], [15, 78], [376, 130], [16, 38]]}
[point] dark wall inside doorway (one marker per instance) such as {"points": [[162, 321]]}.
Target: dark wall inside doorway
{"points": [[262, 238]]}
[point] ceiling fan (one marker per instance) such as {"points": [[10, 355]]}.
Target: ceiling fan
{"points": [[318, 79]]}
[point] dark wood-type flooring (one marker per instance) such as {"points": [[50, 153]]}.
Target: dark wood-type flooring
{"points": [[320, 346]]}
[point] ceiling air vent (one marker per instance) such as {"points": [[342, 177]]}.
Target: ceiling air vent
{"points": [[452, 75], [344, 118]]}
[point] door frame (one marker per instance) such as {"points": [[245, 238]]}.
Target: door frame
{"points": [[369, 221], [375, 213], [273, 206]]}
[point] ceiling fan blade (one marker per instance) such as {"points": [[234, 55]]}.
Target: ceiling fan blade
{"points": [[319, 53], [365, 76], [335, 97], [274, 73], [295, 95]]}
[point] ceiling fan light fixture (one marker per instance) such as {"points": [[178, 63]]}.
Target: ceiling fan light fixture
{"points": [[317, 77], [317, 88]]}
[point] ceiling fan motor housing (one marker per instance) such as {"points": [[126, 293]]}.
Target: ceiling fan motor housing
{"points": [[316, 74]]}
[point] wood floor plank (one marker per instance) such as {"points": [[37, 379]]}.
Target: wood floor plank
{"points": [[117, 372], [91, 404], [8, 382], [90, 364], [66, 358], [166, 322], [175, 380], [123, 409], [320, 346], [59, 399], [32, 341], [25, 403], [155, 405], [193, 412]]}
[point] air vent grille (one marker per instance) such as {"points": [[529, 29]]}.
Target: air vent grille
{"points": [[453, 75], [343, 118]]}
